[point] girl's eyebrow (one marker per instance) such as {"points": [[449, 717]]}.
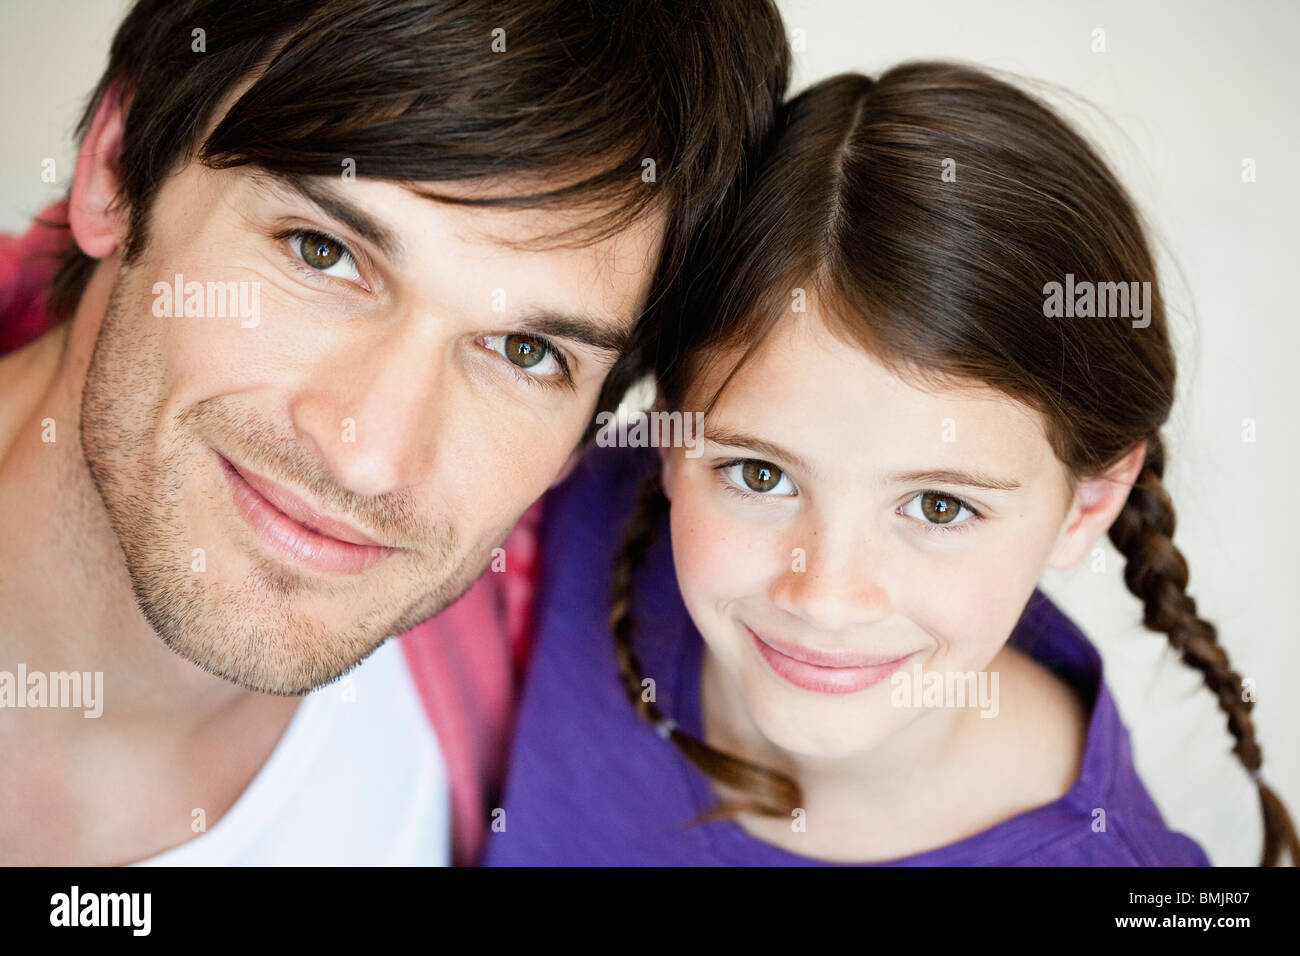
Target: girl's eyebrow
{"points": [[741, 440], [948, 476]]}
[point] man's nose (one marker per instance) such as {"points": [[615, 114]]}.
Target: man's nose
{"points": [[371, 411]]}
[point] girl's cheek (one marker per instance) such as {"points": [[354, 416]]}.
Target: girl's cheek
{"points": [[984, 591], [716, 554], [698, 542], [952, 614]]}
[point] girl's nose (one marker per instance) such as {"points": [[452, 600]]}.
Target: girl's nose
{"points": [[831, 594]]}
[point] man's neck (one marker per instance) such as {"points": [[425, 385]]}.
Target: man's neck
{"points": [[66, 603]]}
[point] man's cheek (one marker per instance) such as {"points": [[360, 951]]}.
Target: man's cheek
{"points": [[198, 348], [485, 475]]}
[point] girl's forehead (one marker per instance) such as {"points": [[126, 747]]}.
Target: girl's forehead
{"points": [[831, 396], [809, 349]]}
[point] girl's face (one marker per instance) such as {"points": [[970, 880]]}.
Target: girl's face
{"points": [[842, 525]]}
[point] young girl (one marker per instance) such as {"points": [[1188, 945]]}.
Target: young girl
{"points": [[825, 643]]}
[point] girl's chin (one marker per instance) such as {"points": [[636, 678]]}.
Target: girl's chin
{"points": [[793, 730]]}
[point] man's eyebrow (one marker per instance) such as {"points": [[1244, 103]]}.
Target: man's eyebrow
{"points": [[741, 440], [949, 476], [577, 328], [584, 329], [314, 190]]}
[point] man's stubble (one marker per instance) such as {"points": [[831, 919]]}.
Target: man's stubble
{"points": [[249, 634]]}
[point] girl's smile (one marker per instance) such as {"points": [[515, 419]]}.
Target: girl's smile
{"points": [[827, 672]]}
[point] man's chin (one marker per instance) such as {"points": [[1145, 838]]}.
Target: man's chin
{"points": [[280, 656], [268, 635]]}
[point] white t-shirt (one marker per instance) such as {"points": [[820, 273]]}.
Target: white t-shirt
{"points": [[357, 779]]}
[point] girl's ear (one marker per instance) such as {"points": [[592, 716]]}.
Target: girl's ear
{"points": [[667, 456], [1096, 504], [98, 230], [668, 469]]}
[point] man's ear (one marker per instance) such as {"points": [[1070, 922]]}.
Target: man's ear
{"points": [[1096, 504], [98, 230]]}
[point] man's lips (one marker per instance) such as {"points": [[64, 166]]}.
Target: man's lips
{"points": [[828, 672], [293, 527], [299, 511]]}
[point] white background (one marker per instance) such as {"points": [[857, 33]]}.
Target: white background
{"points": [[1182, 94]]}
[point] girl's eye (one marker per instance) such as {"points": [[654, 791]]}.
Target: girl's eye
{"points": [[536, 356], [760, 477], [936, 508], [325, 254]]}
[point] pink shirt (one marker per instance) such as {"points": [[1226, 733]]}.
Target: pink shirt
{"points": [[466, 662]]}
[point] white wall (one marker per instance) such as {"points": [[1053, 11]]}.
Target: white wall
{"points": [[1185, 91], [51, 55]]}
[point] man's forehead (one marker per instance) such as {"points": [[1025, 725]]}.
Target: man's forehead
{"points": [[488, 212]]}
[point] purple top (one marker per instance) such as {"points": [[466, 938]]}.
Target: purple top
{"points": [[591, 783]]}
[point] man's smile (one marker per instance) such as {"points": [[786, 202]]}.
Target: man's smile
{"points": [[294, 528]]}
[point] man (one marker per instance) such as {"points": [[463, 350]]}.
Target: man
{"points": [[346, 284]]}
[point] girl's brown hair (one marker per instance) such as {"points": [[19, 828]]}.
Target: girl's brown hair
{"points": [[928, 211]]}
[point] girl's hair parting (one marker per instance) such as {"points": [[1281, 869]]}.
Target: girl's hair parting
{"points": [[927, 211]]}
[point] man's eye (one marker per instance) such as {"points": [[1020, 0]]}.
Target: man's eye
{"points": [[936, 508], [325, 254], [760, 477], [534, 355]]}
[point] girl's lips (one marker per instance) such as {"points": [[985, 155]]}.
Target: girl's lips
{"points": [[306, 545], [823, 671]]}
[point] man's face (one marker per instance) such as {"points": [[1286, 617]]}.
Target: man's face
{"points": [[333, 458]]}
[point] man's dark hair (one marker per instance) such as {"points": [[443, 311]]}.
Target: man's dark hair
{"points": [[579, 93]]}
